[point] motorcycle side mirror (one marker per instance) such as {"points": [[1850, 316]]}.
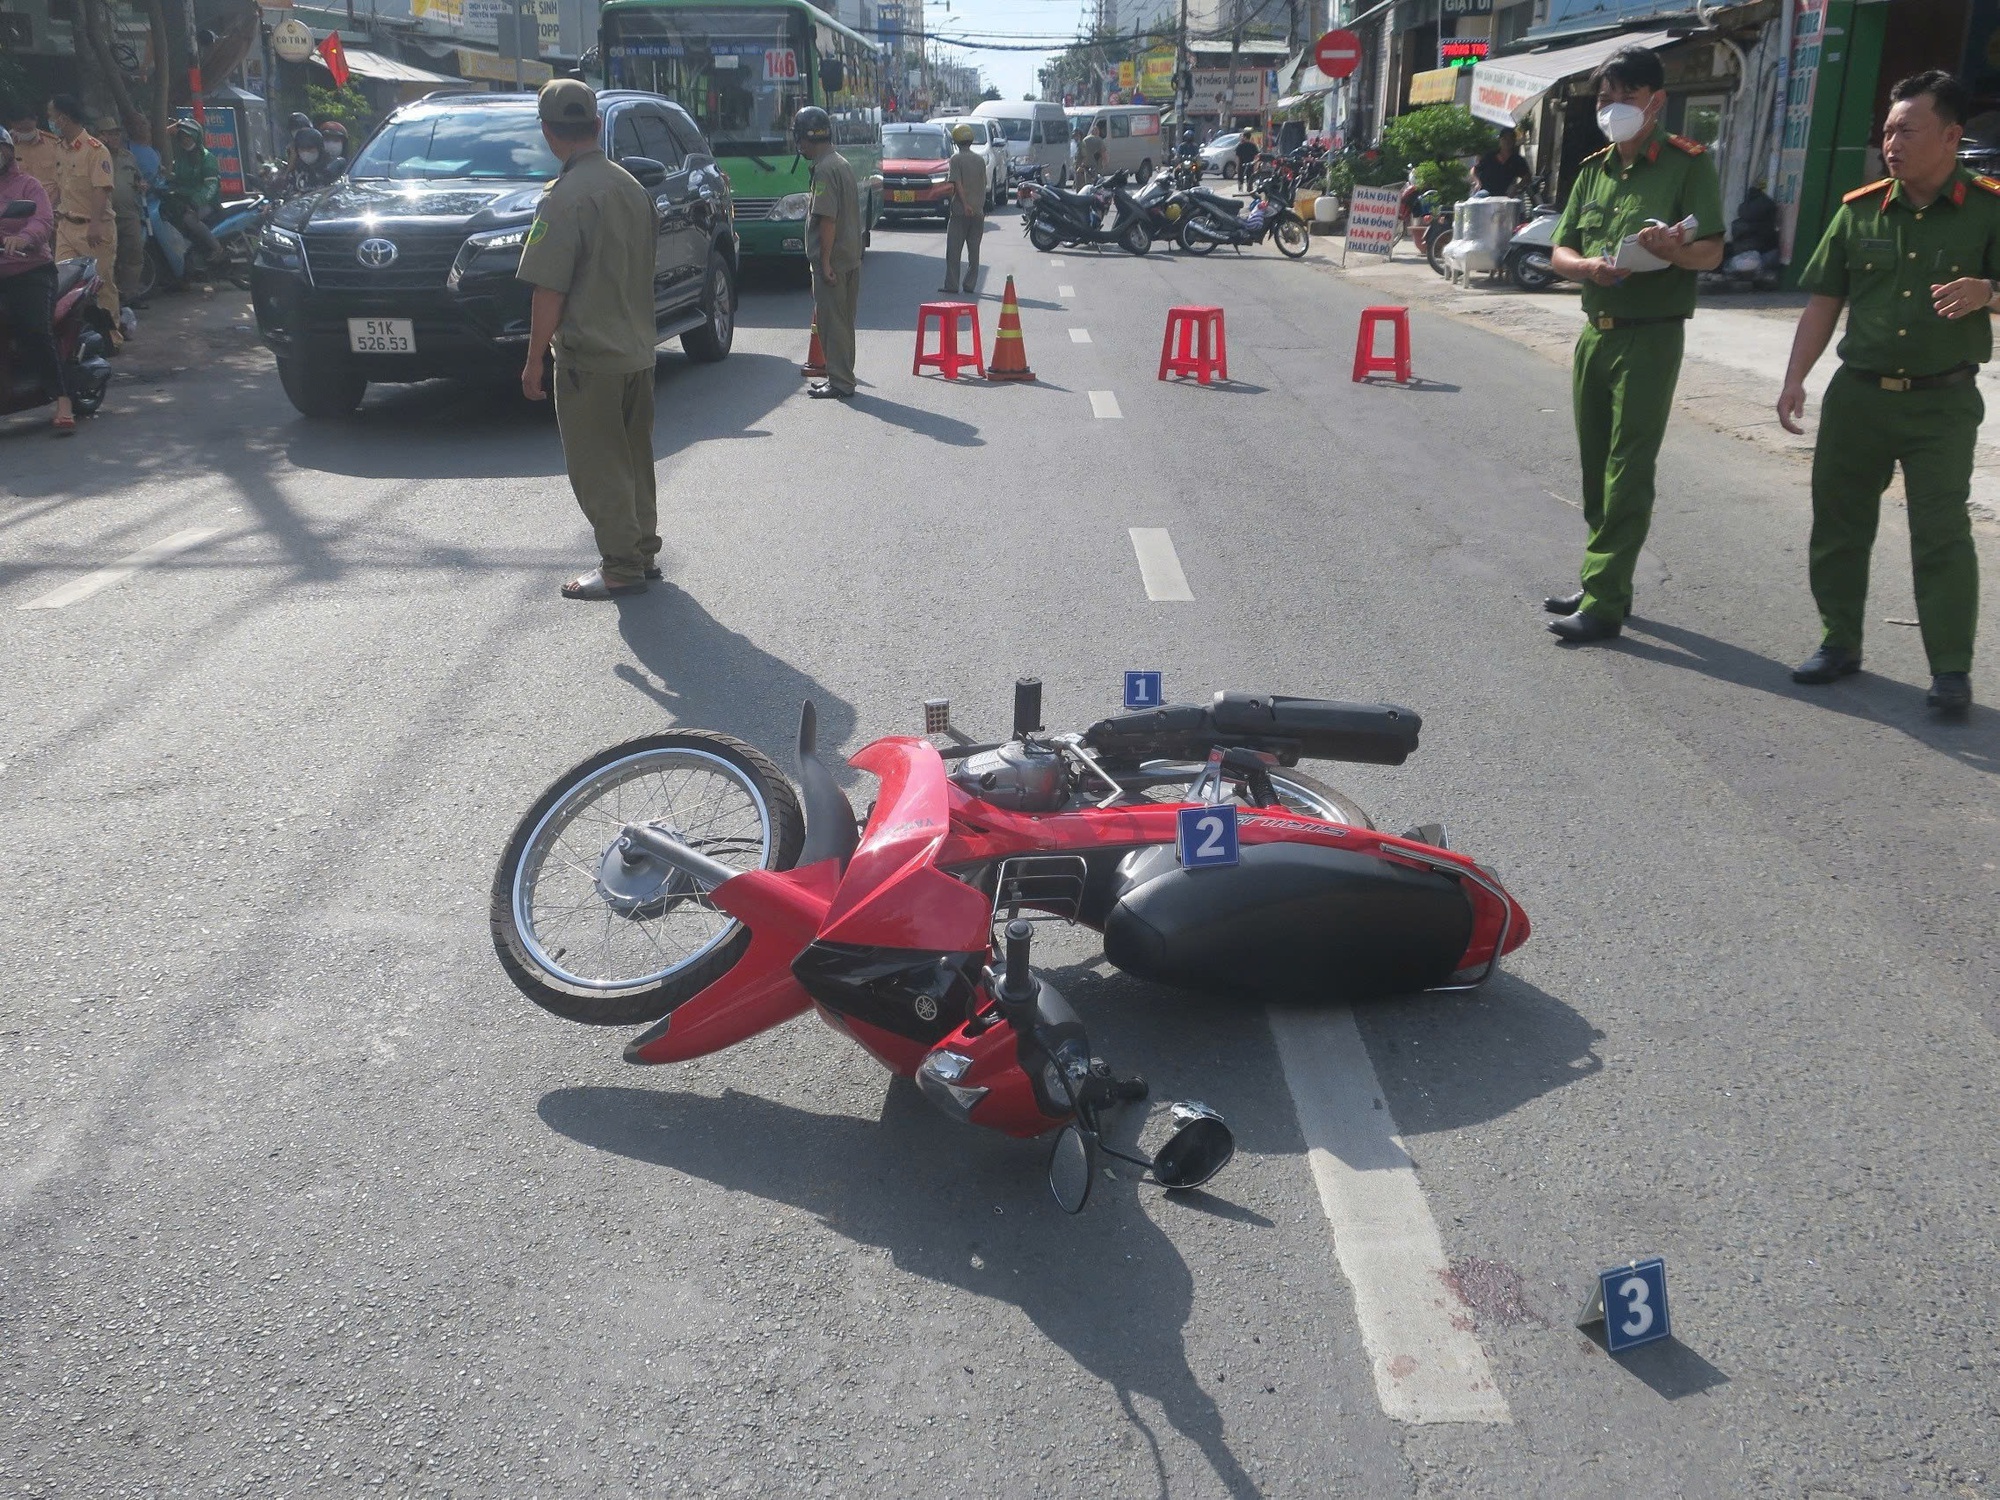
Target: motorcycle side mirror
{"points": [[19, 208], [1072, 1164], [1195, 1152]]}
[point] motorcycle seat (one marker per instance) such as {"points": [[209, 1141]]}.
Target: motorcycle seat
{"points": [[1382, 734]]}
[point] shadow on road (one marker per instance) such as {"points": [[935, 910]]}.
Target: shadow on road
{"points": [[927, 1195], [1668, 1367], [1973, 741], [711, 677]]}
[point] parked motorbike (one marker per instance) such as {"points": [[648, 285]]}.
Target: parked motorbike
{"points": [[82, 333], [1214, 220], [1164, 206], [1526, 262], [1024, 177], [673, 879], [1054, 216], [171, 262]]}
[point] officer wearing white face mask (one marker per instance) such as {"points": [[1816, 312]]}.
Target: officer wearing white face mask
{"points": [[1663, 190]]}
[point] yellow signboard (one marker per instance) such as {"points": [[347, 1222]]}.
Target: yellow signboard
{"points": [[1158, 75], [492, 69], [1439, 86], [1126, 73]]}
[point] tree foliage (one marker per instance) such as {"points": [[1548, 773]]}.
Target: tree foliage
{"points": [[1438, 133], [348, 105]]}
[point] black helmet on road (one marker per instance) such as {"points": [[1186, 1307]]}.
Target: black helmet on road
{"points": [[812, 126]]}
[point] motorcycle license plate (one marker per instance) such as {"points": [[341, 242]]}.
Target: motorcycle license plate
{"points": [[382, 335], [902, 197]]}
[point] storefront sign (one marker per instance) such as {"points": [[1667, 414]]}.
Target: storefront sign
{"points": [[1371, 220], [1156, 74], [292, 40], [1807, 27], [1461, 52], [1439, 86], [1211, 91], [489, 68], [1465, 7], [1500, 95]]}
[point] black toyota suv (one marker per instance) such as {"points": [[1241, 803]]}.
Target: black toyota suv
{"points": [[403, 268]]}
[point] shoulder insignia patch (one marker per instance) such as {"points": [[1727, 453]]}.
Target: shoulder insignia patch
{"points": [[1990, 184], [1863, 192], [538, 231], [1693, 148]]}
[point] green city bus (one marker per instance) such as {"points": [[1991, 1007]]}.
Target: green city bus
{"points": [[742, 68]]}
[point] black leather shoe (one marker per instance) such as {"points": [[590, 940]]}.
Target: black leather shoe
{"points": [[1564, 604], [1580, 629], [1951, 693], [1828, 664]]}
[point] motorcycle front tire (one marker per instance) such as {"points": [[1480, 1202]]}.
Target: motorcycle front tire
{"points": [[1042, 237], [1530, 270], [1434, 242], [1292, 237], [1137, 238]]}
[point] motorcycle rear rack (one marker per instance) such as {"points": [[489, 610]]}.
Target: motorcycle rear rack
{"points": [[1051, 884]]}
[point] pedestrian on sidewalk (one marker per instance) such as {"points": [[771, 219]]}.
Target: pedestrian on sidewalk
{"points": [[833, 248], [1913, 256], [966, 223], [128, 209], [1628, 358], [1502, 169], [28, 280], [589, 257]]}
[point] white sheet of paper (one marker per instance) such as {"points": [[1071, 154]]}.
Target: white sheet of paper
{"points": [[1632, 257]]}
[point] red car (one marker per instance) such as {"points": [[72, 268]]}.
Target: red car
{"points": [[916, 172]]}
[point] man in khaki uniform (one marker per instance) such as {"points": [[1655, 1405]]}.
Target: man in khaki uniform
{"points": [[590, 256], [834, 248], [84, 222], [34, 148], [966, 224], [1091, 155], [128, 208]]}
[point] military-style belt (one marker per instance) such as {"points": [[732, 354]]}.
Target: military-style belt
{"points": [[75, 218], [1963, 375], [1607, 325]]}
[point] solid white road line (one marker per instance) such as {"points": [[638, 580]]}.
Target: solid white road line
{"points": [[1159, 565], [125, 567], [1079, 335], [1066, 292], [1429, 1366], [1104, 404]]}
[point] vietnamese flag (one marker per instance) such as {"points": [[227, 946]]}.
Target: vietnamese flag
{"points": [[335, 57]]}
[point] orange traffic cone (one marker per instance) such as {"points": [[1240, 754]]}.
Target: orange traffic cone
{"points": [[815, 366], [1010, 358]]}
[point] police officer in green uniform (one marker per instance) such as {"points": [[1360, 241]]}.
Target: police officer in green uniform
{"points": [[1914, 255], [589, 256], [1662, 189], [833, 245]]}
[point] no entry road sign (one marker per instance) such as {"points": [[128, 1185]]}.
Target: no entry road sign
{"points": [[1337, 54]]}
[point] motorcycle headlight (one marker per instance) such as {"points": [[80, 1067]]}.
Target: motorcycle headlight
{"points": [[280, 250], [791, 206], [494, 242]]}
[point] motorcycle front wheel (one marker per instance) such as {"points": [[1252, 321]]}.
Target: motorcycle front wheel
{"points": [[1531, 271], [1137, 238], [1292, 237], [1042, 237], [1297, 792], [595, 935]]}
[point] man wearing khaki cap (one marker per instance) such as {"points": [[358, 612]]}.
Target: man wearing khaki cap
{"points": [[589, 257]]}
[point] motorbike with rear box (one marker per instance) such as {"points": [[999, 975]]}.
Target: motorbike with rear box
{"points": [[82, 331], [675, 882]]}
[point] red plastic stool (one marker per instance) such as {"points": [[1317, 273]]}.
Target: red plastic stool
{"points": [[947, 358], [1203, 347], [1366, 361]]}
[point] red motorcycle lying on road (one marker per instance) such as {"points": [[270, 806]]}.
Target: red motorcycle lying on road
{"points": [[82, 333], [672, 879]]}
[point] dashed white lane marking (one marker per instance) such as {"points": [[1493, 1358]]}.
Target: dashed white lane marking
{"points": [[1055, 260], [1104, 404], [1429, 1366], [1079, 335], [1066, 292], [1159, 565], [125, 567]]}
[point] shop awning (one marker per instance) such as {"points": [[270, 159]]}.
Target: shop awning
{"points": [[1438, 86], [376, 68], [1503, 92]]}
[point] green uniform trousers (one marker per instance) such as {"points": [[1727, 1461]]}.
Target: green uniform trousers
{"points": [[1623, 390], [1864, 432], [836, 304], [606, 418], [962, 234]]}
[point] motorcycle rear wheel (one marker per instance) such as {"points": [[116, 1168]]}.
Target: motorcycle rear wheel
{"points": [[1193, 243], [1042, 237], [1296, 791], [598, 940]]}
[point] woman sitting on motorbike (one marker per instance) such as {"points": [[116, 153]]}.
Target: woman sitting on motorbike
{"points": [[28, 280]]}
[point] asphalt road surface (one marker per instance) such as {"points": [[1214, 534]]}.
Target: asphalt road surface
{"points": [[302, 1198]]}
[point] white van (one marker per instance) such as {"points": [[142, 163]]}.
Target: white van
{"points": [[1036, 132], [1132, 139]]}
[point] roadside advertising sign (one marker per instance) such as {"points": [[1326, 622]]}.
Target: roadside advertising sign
{"points": [[1371, 220]]}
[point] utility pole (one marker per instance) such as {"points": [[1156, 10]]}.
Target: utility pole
{"points": [[1184, 71]]}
